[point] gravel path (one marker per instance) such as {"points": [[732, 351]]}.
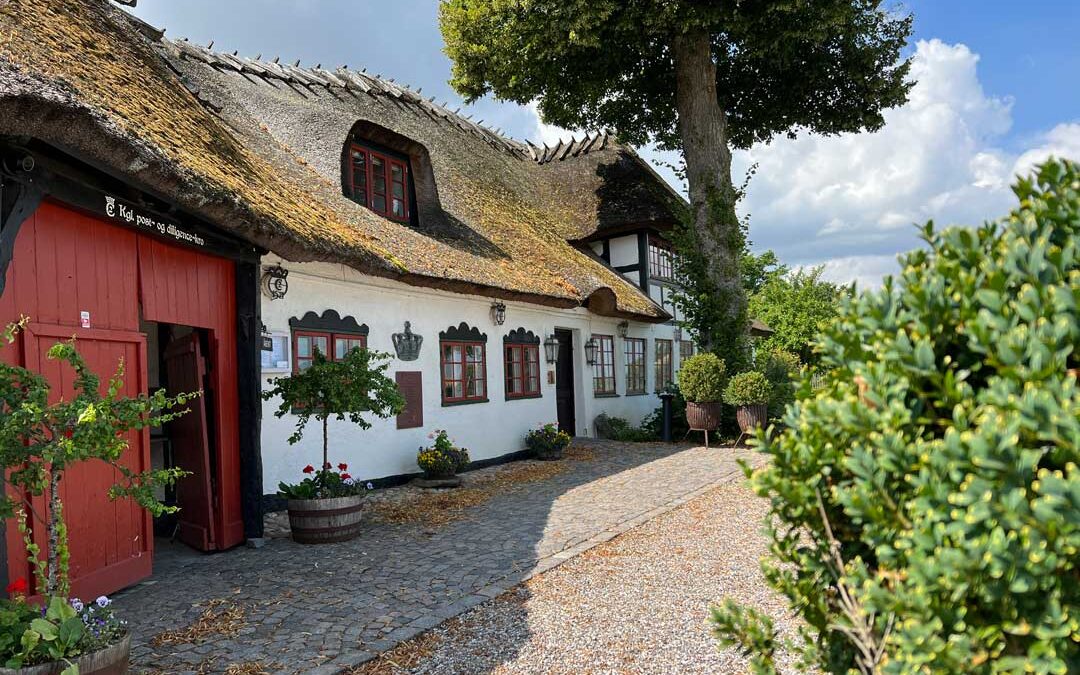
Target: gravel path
{"points": [[636, 604]]}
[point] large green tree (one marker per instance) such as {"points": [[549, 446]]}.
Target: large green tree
{"points": [[796, 306], [700, 77]]}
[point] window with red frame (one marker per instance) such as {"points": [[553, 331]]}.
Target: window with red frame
{"points": [[305, 343], [604, 367], [522, 370], [464, 372], [664, 367], [379, 182], [660, 265], [634, 349]]}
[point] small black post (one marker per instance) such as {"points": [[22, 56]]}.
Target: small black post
{"points": [[665, 403]]}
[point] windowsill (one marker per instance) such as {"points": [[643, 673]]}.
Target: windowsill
{"points": [[637, 393], [450, 404], [518, 397], [601, 394]]}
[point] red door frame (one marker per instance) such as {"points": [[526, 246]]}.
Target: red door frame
{"points": [[66, 261]]}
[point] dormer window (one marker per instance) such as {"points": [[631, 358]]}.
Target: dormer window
{"points": [[379, 181]]}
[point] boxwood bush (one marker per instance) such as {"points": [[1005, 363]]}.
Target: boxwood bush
{"points": [[702, 378], [932, 523], [749, 388]]}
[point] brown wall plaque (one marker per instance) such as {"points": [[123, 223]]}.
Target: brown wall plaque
{"points": [[411, 385]]}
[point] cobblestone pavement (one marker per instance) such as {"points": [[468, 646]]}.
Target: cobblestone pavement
{"points": [[322, 609]]}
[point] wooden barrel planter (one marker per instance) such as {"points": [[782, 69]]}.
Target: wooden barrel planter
{"points": [[113, 660], [751, 417], [704, 417], [325, 521]]}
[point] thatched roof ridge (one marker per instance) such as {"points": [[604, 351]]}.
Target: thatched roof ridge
{"points": [[255, 147]]}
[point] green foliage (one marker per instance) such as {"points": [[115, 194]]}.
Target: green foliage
{"points": [[349, 387], [58, 631], [748, 388], [829, 66], [547, 440], [758, 270], [796, 306], [932, 523], [781, 369], [702, 378], [621, 430], [40, 441]]}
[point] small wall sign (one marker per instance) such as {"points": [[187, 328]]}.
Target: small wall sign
{"points": [[275, 282], [84, 319], [130, 214]]}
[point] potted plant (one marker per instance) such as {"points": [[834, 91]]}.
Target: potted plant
{"points": [[701, 380], [325, 506], [547, 442], [749, 393], [42, 630], [442, 459]]}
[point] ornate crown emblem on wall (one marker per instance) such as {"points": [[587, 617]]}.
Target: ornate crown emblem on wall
{"points": [[407, 344]]}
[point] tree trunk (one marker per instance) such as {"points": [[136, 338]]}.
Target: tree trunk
{"points": [[325, 444], [55, 514], [703, 129]]}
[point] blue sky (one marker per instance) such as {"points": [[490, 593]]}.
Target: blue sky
{"points": [[997, 92]]}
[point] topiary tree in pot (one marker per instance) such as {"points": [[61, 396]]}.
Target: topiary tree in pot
{"points": [[749, 392], [701, 380], [42, 436], [931, 523], [324, 507]]}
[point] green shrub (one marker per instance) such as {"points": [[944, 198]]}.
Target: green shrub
{"points": [[621, 430], [702, 378], [932, 523], [749, 388], [781, 368]]}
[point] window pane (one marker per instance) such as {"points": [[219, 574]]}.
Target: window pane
{"points": [[378, 175], [320, 344], [303, 346], [398, 208]]}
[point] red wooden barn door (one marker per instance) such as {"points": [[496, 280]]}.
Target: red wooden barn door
{"points": [[110, 541], [185, 369]]}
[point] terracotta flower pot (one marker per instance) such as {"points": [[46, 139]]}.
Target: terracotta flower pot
{"points": [[113, 660], [751, 417], [704, 416], [325, 521]]}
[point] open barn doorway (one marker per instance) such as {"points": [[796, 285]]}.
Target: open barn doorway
{"points": [[178, 364]]}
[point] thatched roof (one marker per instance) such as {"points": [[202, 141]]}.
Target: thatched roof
{"points": [[255, 147]]}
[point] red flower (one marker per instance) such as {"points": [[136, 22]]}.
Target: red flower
{"points": [[309, 469], [345, 476], [17, 587], [343, 467]]}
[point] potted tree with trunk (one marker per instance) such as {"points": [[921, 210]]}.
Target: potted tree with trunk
{"points": [[324, 506], [749, 393], [42, 630], [701, 380]]}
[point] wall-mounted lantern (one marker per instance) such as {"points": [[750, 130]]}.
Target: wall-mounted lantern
{"points": [[590, 351], [678, 334], [623, 328], [498, 313], [551, 349], [275, 282]]}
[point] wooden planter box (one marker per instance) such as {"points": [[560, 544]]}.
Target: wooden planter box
{"points": [[112, 660], [751, 417], [325, 521]]}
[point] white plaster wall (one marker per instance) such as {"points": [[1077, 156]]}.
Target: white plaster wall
{"points": [[488, 429], [624, 250]]}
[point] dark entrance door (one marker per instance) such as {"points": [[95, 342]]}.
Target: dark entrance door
{"points": [[564, 382], [185, 371]]}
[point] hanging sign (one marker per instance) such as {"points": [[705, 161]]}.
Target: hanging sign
{"points": [[140, 218], [84, 319], [267, 339]]}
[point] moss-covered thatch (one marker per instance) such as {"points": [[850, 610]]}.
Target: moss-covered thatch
{"points": [[255, 147]]}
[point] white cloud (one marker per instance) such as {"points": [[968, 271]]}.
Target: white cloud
{"points": [[853, 201]]}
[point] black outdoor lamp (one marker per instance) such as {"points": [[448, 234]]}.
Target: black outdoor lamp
{"points": [[590, 351], [551, 349], [498, 313], [623, 328]]}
